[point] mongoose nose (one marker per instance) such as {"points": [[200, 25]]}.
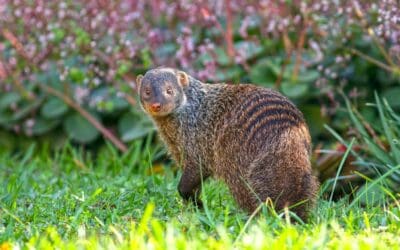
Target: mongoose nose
{"points": [[155, 107]]}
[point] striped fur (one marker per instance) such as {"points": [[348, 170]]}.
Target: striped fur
{"points": [[252, 138]]}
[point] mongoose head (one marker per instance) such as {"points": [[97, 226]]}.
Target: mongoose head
{"points": [[161, 91]]}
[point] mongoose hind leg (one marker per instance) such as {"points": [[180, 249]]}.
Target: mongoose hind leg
{"points": [[243, 194], [286, 179]]}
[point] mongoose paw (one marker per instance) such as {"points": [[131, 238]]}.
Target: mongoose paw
{"points": [[195, 201], [198, 203]]}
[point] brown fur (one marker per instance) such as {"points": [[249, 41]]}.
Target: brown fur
{"points": [[251, 137]]}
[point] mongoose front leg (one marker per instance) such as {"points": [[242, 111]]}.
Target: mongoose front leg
{"points": [[189, 185]]}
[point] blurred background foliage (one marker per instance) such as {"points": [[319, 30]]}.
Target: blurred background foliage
{"points": [[67, 68]]}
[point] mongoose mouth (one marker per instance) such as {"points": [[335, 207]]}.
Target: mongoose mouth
{"points": [[156, 109]]}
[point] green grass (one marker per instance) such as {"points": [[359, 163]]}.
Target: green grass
{"points": [[72, 200]]}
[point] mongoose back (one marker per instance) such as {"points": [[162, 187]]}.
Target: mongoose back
{"points": [[252, 138]]}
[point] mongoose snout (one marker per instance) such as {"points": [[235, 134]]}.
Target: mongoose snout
{"points": [[155, 107], [252, 138]]}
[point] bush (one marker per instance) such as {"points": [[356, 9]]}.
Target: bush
{"points": [[68, 67], [375, 153]]}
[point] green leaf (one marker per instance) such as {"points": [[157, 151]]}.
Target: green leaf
{"points": [[371, 195], [308, 76], [204, 58], [314, 118], [41, 126], [133, 127], [250, 49], [263, 73], [136, 132], [82, 37], [146, 58], [123, 68], [228, 74], [110, 100], [6, 119], [76, 75], [9, 98], [294, 90], [222, 57], [126, 121], [392, 96], [79, 129], [27, 109], [119, 103], [165, 50], [275, 66], [53, 108], [59, 34], [50, 77], [7, 141]]}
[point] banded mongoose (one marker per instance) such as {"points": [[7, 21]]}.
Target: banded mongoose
{"points": [[252, 138]]}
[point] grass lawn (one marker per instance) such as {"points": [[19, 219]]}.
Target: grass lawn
{"points": [[73, 201]]}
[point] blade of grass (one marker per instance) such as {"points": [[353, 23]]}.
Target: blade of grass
{"points": [[388, 132], [375, 182], [385, 190], [246, 225], [28, 154], [340, 168], [341, 140], [354, 119], [391, 111], [2, 207], [211, 222], [375, 149]]}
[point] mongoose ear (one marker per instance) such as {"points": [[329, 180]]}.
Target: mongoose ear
{"points": [[138, 81], [183, 78]]}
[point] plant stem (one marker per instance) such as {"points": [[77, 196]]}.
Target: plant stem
{"points": [[3, 73], [3, 69], [15, 43], [300, 47], [373, 60], [288, 49], [106, 133], [229, 32]]}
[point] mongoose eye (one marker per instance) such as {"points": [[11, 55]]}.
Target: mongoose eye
{"points": [[169, 91]]}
